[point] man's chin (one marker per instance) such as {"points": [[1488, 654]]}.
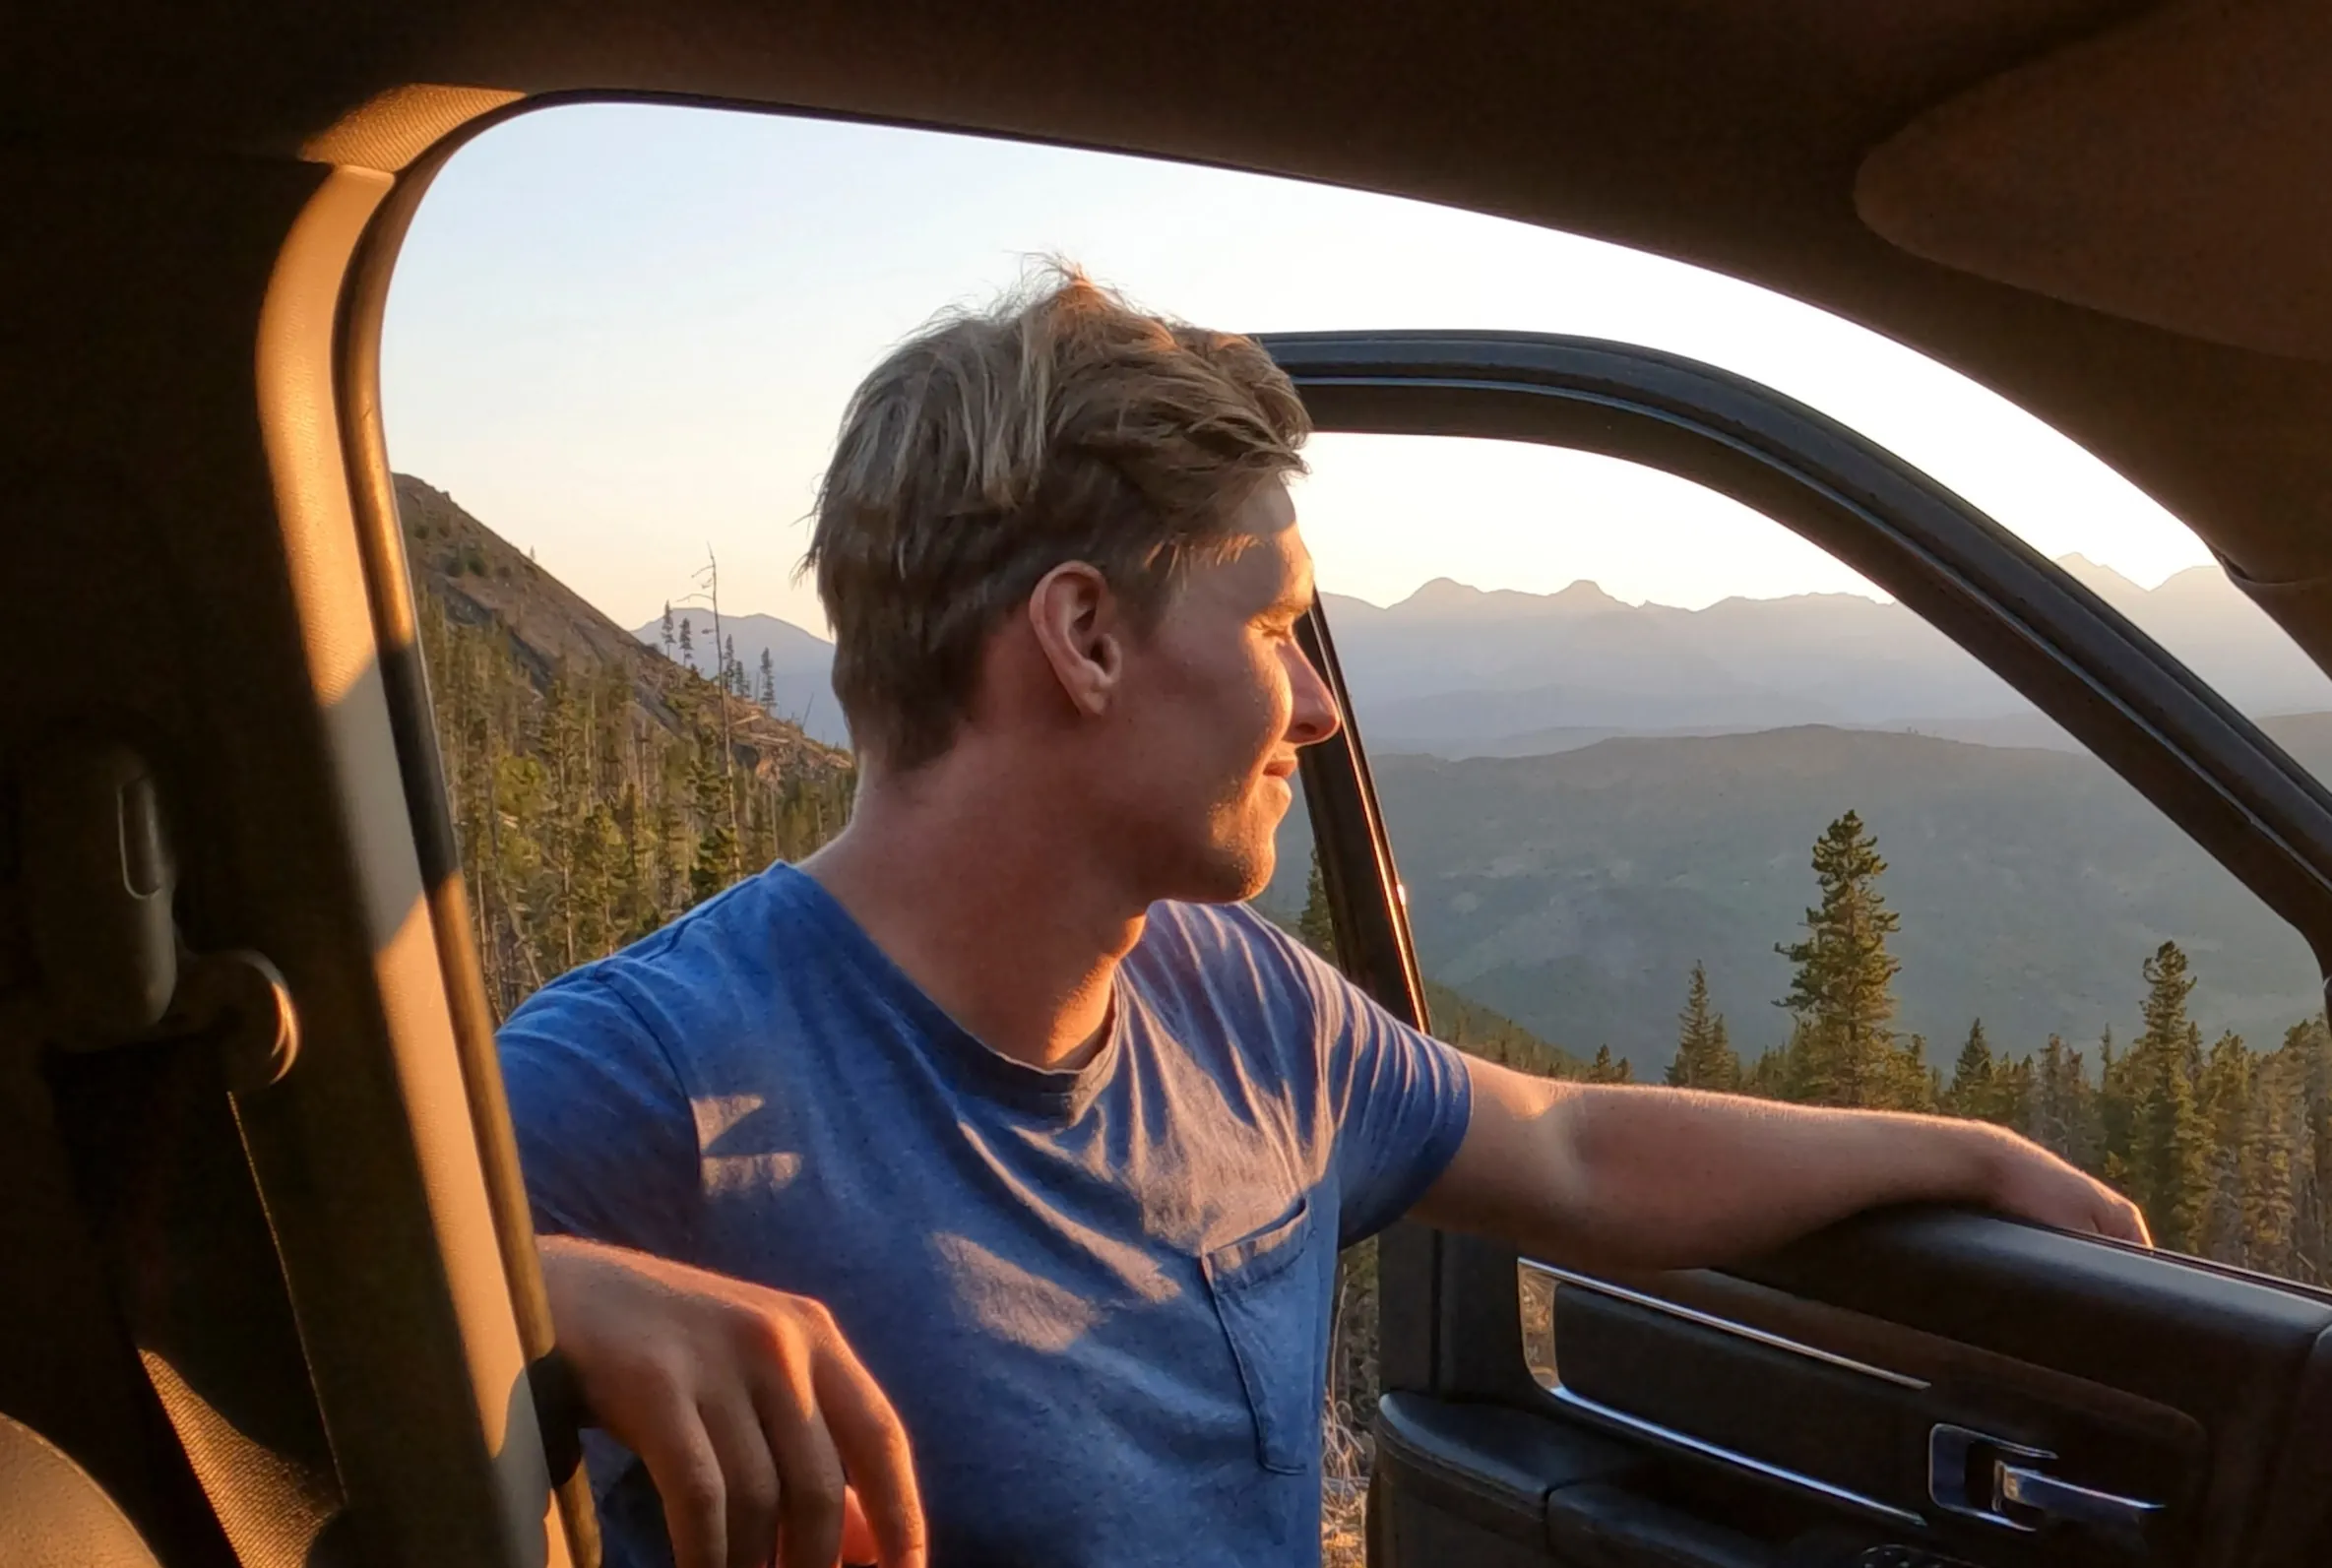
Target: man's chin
{"points": [[1232, 874], [1253, 870]]}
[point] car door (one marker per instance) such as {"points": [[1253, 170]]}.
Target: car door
{"points": [[1914, 1386]]}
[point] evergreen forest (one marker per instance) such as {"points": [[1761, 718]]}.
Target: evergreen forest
{"points": [[2227, 1146], [598, 788]]}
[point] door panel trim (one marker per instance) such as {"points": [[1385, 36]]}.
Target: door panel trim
{"points": [[1666, 1437], [1708, 1320]]}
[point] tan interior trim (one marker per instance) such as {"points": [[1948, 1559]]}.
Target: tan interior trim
{"points": [[2172, 171], [389, 130], [300, 427]]}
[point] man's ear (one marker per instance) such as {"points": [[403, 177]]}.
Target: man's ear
{"points": [[1079, 626]]}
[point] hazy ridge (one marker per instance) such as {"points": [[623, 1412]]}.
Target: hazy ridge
{"points": [[1586, 796], [1462, 672], [1574, 890]]}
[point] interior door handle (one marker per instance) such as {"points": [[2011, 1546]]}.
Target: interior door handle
{"points": [[1981, 1476], [2052, 1497]]}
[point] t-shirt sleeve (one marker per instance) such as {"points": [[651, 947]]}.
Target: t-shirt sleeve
{"points": [[1403, 1104], [605, 1134]]}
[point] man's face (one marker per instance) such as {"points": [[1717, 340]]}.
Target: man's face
{"points": [[1217, 700]]}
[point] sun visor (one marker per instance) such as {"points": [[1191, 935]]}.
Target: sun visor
{"points": [[2176, 172]]}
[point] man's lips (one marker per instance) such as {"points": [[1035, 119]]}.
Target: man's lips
{"points": [[1282, 768]]}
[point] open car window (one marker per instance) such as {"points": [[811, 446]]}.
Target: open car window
{"points": [[1613, 720], [1612, 814]]}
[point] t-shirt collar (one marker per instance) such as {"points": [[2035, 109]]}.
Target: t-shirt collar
{"points": [[1046, 1091]]}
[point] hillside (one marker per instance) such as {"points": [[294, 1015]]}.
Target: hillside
{"points": [[481, 580], [1573, 892], [1492, 1036], [597, 788]]}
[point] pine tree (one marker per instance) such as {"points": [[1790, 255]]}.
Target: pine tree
{"points": [[769, 683], [1704, 1056], [1316, 926], [583, 823], [2115, 1110], [2308, 1049], [1973, 1091], [2061, 1114], [667, 628], [2281, 1233], [2271, 1190], [2223, 1100], [1911, 1083], [1605, 1070], [2012, 1092], [1768, 1077], [2169, 1151], [687, 643], [715, 863], [1842, 994]]}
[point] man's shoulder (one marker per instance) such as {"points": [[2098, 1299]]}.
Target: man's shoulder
{"points": [[1231, 953], [1214, 927], [727, 952]]}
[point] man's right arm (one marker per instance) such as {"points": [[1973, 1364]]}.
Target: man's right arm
{"points": [[745, 1405], [1637, 1177], [757, 1423]]}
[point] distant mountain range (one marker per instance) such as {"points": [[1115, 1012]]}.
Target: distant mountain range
{"points": [[1573, 892], [1461, 672], [1586, 798], [1457, 671]]}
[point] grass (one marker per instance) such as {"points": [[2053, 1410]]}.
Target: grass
{"points": [[1345, 1446]]}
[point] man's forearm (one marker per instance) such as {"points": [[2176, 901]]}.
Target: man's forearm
{"points": [[1667, 1180], [1621, 1177]]}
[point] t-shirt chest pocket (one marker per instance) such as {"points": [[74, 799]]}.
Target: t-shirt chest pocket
{"points": [[1268, 1292]]}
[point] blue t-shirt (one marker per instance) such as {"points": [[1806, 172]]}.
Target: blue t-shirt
{"points": [[1098, 1299]]}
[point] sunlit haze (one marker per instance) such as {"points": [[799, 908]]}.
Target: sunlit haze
{"points": [[622, 335]]}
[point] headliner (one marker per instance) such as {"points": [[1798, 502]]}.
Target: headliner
{"points": [[2111, 214]]}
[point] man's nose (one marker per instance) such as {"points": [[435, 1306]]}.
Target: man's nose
{"points": [[1313, 717]]}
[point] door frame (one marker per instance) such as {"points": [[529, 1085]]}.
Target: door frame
{"points": [[2132, 705], [1448, 1317]]}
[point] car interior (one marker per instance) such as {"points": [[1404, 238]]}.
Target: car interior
{"points": [[269, 1294]]}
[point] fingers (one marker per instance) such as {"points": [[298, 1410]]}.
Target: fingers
{"points": [[748, 1476], [874, 1450], [681, 1461], [727, 1392], [2122, 1219], [809, 1467], [859, 1543]]}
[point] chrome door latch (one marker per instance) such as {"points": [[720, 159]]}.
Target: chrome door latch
{"points": [[1978, 1476]]}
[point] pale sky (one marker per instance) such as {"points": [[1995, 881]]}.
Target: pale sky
{"points": [[618, 334]]}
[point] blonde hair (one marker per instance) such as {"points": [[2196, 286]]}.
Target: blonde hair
{"points": [[1061, 424]]}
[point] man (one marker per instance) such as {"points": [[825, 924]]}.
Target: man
{"points": [[1000, 1124]]}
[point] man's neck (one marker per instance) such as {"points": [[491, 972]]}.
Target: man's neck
{"points": [[970, 893]]}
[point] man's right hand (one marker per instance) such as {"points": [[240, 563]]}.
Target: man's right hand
{"points": [[744, 1403]]}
